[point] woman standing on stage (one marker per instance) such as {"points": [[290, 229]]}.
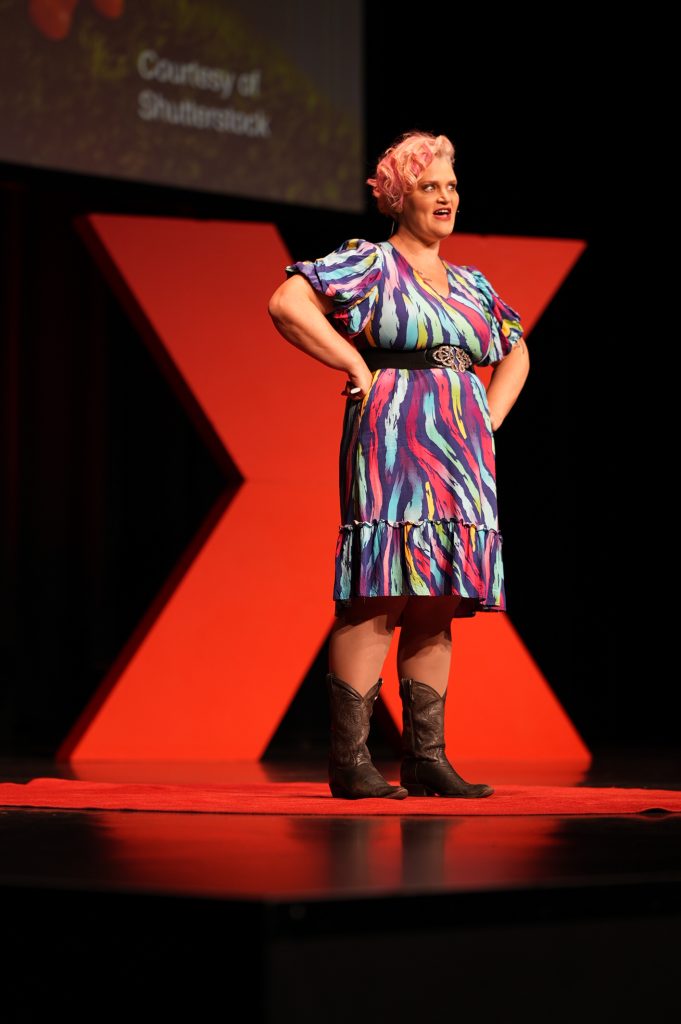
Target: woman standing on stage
{"points": [[418, 542]]}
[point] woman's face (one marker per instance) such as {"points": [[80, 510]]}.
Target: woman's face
{"points": [[429, 210]]}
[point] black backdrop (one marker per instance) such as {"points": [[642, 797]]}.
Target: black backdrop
{"points": [[104, 480]]}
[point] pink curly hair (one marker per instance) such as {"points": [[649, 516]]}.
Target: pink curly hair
{"points": [[402, 164]]}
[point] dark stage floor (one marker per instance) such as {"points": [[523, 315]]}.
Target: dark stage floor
{"points": [[315, 857], [502, 913]]}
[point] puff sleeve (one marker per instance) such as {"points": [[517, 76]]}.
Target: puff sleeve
{"points": [[350, 275], [506, 329]]}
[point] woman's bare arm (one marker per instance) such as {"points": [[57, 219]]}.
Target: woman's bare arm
{"points": [[297, 312], [508, 379]]}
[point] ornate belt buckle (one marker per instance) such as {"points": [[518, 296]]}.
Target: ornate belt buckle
{"points": [[449, 355]]}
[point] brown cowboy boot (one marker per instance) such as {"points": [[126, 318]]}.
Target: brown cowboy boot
{"points": [[425, 770], [352, 774]]}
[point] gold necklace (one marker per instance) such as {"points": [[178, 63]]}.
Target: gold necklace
{"points": [[425, 276], [430, 280]]}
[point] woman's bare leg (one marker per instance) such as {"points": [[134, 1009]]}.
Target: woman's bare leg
{"points": [[424, 652], [360, 640]]}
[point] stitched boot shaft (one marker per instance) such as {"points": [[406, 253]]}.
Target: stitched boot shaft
{"points": [[425, 770], [352, 773], [350, 722], [423, 721]]}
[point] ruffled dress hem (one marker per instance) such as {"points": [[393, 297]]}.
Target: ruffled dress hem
{"points": [[422, 558]]}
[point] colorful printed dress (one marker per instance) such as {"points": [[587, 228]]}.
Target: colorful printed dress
{"points": [[418, 501]]}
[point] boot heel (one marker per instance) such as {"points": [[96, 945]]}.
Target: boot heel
{"points": [[416, 789], [339, 791]]}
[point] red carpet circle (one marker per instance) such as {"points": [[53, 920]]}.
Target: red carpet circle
{"points": [[315, 798]]}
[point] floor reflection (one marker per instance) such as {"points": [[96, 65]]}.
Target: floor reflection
{"points": [[254, 855]]}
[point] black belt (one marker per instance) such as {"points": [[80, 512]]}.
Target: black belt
{"points": [[438, 356]]}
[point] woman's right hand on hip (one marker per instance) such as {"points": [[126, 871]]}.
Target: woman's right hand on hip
{"points": [[358, 383]]}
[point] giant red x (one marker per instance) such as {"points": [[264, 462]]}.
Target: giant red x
{"points": [[217, 660]]}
